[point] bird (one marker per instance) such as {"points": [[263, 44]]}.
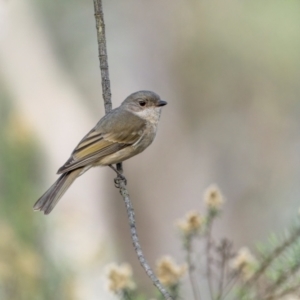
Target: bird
{"points": [[122, 133]]}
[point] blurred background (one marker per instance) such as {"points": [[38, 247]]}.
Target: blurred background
{"points": [[230, 71]]}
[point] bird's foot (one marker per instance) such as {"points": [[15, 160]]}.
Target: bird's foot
{"points": [[120, 176], [118, 180]]}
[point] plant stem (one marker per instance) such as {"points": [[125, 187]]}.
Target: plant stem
{"points": [[191, 268], [221, 281], [208, 260], [269, 260]]}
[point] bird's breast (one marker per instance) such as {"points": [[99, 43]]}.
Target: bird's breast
{"points": [[147, 137]]}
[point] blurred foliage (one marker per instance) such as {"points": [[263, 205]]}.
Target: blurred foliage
{"points": [[26, 269], [272, 274], [238, 54], [234, 73]]}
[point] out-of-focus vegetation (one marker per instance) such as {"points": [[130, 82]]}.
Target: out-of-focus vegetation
{"points": [[27, 271], [230, 71], [272, 273]]}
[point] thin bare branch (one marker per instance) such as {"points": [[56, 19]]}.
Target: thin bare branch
{"points": [[191, 269], [121, 182], [100, 25], [223, 251], [135, 240], [208, 260]]}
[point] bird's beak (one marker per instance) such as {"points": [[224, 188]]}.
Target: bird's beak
{"points": [[161, 103]]}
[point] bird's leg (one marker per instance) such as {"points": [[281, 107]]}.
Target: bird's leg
{"points": [[119, 172], [120, 175], [120, 168]]}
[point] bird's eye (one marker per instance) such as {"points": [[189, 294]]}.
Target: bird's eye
{"points": [[142, 103]]}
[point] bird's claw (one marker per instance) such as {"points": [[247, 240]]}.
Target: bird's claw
{"points": [[118, 180]]}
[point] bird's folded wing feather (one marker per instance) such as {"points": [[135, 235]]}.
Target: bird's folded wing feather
{"points": [[117, 130]]}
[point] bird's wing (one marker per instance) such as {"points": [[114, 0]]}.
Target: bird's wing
{"points": [[114, 132]]}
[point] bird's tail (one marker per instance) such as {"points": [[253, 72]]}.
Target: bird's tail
{"points": [[47, 202]]}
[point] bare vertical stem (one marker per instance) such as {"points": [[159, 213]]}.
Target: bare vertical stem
{"points": [[100, 25], [224, 252], [221, 282], [191, 269], [208, 261]]}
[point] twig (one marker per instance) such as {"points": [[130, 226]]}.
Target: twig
{"points": [[224, 260], [272, 289], [208, 260], [100, 25], [191, 269], [269, 260], [135, 240]]}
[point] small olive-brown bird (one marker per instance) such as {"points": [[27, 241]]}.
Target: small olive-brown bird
{"points": [[122, 133]]}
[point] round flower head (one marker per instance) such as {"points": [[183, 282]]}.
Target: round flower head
{"points": [[192, 223], [119, 277], [168, 272], [244, 263], [213, 198]]}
